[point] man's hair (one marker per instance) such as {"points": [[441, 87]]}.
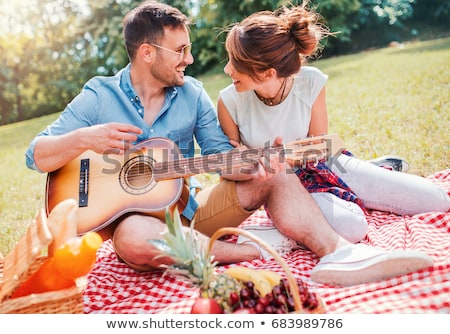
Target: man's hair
{"points": [[146, 23]]}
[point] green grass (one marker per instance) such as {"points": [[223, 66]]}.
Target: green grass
{"points": [[394, 101], [386, 101], [21, 190]]}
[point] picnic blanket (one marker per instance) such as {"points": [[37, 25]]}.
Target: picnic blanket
{"points": [[114, 288]]}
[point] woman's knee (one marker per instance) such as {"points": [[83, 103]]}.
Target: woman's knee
{"points": [[346, 218]]}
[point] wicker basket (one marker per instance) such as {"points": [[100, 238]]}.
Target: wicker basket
{"points": [[67, 301], [22, 262], [290, 277]]}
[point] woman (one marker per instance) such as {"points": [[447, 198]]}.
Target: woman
{"points": [[274, 95]]}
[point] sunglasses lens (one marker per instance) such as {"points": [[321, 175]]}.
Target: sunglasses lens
{"points": [[186, 50]]}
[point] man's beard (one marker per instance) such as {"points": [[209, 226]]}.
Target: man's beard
{"points": [[169, 77]]}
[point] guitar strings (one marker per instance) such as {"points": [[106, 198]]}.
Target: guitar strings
{"points": [[202, 163]]}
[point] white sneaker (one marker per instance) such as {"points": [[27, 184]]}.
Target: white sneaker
{"points": [[359, 263], [272, 237], [391, 162]]}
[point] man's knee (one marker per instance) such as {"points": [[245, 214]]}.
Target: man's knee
{"points": [[130, 241]]}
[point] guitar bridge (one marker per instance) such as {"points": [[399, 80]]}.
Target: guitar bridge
{"points": [[84, 183]]}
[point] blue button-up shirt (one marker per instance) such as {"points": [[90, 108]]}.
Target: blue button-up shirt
{"points": [[187, 113]]}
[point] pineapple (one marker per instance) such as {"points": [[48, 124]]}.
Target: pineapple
{"points": [[193, 261]]}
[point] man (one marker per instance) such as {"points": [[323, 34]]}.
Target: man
{"points": [[151, 97]]}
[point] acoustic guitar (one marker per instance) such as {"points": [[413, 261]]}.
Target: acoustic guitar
{"points": [[149, 177]]}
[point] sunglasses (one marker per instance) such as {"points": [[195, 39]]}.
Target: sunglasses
{"points": [[184, 51]]}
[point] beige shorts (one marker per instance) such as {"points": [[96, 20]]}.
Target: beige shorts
{"points": [[218, 206]]}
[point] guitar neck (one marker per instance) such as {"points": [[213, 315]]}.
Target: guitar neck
{"points": [[295, 153], [212, 163]]}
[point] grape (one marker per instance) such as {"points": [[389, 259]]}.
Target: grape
{"points": [[269, 298], [264, 301], [270, 309], [280, 311], [303, 292], [250, 285], [259, 307], [245, 294], [252, 303], [290, 304], [311, 302], [278, 301], [246, 303], [277, 290], [284, 283]]}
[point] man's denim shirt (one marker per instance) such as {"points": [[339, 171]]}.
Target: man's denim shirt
{"points": [[187, 112]]}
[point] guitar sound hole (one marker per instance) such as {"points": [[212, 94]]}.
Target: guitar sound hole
{"points": [[139, 175], [136, 175]]}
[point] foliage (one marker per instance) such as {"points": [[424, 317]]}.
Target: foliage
{"points": [[387, 101], [432, 10], [50, 48], [390, 10], [32, 54], [211, 23]]}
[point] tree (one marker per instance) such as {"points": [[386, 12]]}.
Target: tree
{"points": [[210, 25], [39, 71]]}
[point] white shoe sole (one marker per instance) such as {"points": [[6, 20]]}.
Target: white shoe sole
{"points": [[378, 268], [272, 237]]}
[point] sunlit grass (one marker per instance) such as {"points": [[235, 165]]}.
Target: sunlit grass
{"points": [[21, 190], [387, 101], [394, 101]]}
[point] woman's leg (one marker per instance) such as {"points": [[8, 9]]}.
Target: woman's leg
{"points": [[384, 190], [346, 218]]}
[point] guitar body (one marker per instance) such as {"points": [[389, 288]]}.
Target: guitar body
{"points": [[107, 186]]}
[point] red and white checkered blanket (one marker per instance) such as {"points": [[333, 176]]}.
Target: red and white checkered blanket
{"points": [[114, 288]]}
